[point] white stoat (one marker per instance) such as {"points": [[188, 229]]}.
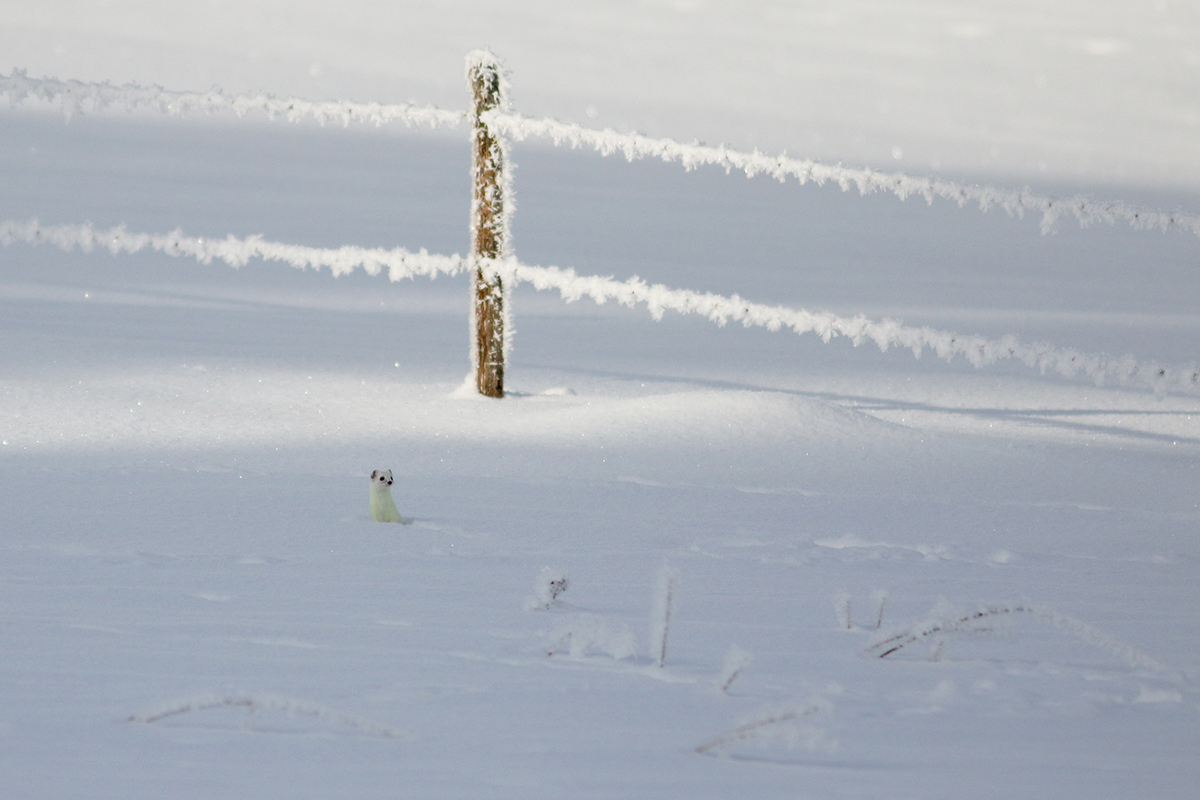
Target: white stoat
{"points": [[383, 509]]}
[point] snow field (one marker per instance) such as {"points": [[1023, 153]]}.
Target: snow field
{"points": [[210, 547], [260, 592]]}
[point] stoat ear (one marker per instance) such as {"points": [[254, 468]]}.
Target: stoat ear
{"points": [[374, 474]]}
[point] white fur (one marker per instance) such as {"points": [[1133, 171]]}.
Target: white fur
{"points": [[383, 508]]}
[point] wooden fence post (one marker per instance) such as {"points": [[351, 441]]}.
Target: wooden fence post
{"points": [[488, 226]]}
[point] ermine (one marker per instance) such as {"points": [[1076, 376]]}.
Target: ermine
{"points": [[383, 509]]}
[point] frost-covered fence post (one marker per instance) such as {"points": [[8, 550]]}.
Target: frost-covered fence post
{"points": [[489, 224]]}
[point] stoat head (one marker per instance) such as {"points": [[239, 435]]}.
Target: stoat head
{"points": [[381, 478]]}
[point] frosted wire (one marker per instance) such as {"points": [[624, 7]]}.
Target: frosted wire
{"points": [[867, 181], [79, 96], [400, 263], [658, 299], [76, 97], [978, 350]]}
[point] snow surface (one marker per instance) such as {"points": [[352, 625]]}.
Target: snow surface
{"points": [[196, 603]]}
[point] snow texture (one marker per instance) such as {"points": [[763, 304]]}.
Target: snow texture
{"points": [[549, 585], [589, 635]]}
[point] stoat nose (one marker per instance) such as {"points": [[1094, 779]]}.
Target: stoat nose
{"points": [[389, 483]]}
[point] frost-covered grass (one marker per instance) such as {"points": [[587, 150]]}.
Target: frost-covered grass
{"points": [[255, 704]]}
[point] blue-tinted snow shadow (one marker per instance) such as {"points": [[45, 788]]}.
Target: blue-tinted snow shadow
{"points": [[806, 763], [1058, 418]]}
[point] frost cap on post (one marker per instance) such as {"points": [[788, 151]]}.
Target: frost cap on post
{"points": [[489, 224]]}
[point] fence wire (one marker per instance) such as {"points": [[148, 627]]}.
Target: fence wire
{"points": [[77, 97], [657, 298]]}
